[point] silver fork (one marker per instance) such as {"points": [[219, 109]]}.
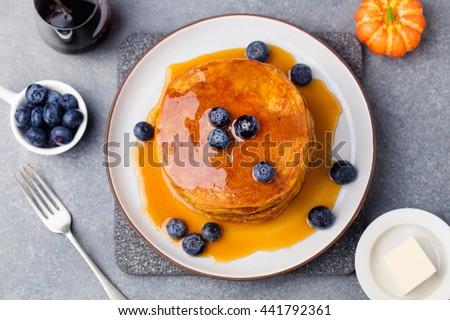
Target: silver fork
{"points": [[57, 219]]}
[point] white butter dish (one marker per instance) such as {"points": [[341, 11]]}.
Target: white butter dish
{"points": [[384, 236]]}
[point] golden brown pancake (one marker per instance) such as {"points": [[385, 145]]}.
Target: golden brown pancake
{"points": [[219, 183]]}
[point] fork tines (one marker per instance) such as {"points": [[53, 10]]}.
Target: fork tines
{"points": [[38, 193]]}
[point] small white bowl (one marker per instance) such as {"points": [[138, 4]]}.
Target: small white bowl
{"points": [[17, 100], [388, 231]]}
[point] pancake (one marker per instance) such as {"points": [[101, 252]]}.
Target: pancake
{"points": [[219, 183]]}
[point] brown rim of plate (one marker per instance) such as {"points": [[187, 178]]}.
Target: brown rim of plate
{"points": [[113, 105]]}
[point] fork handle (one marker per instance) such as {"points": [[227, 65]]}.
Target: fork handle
{"points": [[112, 292]]}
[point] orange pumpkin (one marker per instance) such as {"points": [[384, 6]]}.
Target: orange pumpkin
{"points": [[390, 27]]}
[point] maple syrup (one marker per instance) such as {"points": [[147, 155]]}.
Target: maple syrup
{"points": [[238, 240]]}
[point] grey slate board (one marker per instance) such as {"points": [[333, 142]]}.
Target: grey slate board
{"points": [[135, 257]]}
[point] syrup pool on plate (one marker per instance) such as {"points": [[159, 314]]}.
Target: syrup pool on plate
{"points": [[242, 239]]}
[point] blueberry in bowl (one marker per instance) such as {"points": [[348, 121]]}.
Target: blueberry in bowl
{"points": [[52, 96], [37, 117], [53, 114], [61, 135], [36, 136], [72, 118], [23, 116], [36, 93], [257, 50], [36, 111], [68, 101]]}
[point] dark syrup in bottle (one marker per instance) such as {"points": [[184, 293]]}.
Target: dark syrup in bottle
{"points": [[75, 30], [80, 11]]}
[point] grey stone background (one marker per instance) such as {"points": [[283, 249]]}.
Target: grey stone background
{"points": [[409, 99]]}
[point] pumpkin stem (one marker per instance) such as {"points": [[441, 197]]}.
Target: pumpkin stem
{"points": [[390, 16]]}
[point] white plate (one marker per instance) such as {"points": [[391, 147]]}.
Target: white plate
{"points": [[388, 231], [141, 90]]}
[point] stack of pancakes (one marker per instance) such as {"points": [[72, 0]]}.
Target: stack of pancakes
{"points": [[219, 183]]}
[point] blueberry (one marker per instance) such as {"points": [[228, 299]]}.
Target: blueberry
{"points": [[301, 74], [36, 93], [53, 96], [53, 114], [343, 172], [68, 101], [193, 244], [246, 127], [61, 135], [218, 138], [219, 117], [23, 116], [320, 217], [72, 118], [257, 50], [263, 172], [143, 131], [50, 142], [176, 228], [36, 136], [211, 231], [37, 118]]}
